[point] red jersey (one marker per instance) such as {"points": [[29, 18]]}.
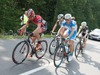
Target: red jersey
{"points": [[37, 20]]}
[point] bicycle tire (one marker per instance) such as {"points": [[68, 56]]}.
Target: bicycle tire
{"points": [[51, 51], [42, 49], [77, 50], [62, 55], [25, 45]]}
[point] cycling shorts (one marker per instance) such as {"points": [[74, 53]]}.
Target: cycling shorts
{"points": [[68, 32], [44, 27]]}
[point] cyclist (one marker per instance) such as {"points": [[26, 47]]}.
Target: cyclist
{"points": [[58, 22], [83, 32], [24, 19], [70, 33], [39, 21]]}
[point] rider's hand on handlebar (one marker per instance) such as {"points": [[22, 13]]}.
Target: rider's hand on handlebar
{"points": [[53, 33], [20, 32], [68, 37]]}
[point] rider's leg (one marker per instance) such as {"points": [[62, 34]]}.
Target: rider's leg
{"points": [[71, 46], [71, 42], [60, 31], [65, 33], [85, 42], [36, 33], [35, 36]]}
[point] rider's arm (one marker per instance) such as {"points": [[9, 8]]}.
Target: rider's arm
{"points": [[38, 27], [21, 18], [54, 26], [86, 33], [79, 31], [72, 32], [25, 26]]}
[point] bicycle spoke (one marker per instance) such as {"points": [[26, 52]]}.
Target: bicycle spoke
{"points": [[58, 56], [77, 50], [20, 52], [52, 46], [42, 50]]}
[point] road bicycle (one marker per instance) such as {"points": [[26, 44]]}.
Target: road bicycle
{"points": [[79, 47], [54, 43], [23, 48], [61, 51]]}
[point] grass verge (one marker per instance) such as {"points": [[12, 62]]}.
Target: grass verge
{"points": [[20, 37]]}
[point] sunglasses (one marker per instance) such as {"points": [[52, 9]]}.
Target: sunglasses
{"points": [[67, 19]]}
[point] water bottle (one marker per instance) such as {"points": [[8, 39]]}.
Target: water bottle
{"points": [[66, 48]]}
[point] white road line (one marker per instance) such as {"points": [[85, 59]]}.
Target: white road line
{"points": [[35, 70]]}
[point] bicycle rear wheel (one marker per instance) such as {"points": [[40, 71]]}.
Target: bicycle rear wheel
{"points": [[20, 52], [53, 46], [78, 49], [41, 52], [58, 56]]}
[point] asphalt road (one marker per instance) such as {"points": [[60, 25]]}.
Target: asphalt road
{"points": [[89, 64]]}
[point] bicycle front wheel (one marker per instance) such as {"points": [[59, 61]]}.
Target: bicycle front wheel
{"points": [[20, 52], [42, 50], [58, 56], [53, 46], [77, 49]]}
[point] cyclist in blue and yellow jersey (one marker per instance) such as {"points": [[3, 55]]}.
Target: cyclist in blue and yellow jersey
{"points": [[70, 33], [24, 19]]}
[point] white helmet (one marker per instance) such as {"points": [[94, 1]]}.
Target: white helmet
{"points": [[68, 16], [83, 24], [60, 16], [73, 18]]}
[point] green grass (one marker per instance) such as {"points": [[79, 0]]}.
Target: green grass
{"points": [[20, 37]]}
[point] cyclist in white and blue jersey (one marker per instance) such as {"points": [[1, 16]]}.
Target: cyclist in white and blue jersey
{"points": [[70, 32]]}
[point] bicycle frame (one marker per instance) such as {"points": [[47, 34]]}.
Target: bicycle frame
{"points": [[81, 41]]}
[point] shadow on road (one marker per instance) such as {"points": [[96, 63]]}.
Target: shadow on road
{"points": [[88, 60], [71, 68]]}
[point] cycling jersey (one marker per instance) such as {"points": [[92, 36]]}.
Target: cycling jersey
{"points": [[84, 30], [38, 20], [24, 19], [69, 27], [58, 23]]}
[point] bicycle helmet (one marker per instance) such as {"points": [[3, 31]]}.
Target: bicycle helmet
{"points": [[60, 16], [68, 16], [83, 24], [73, 18], [30, 13]]}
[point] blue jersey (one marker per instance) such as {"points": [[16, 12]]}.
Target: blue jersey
{"points": [[69, 26]]}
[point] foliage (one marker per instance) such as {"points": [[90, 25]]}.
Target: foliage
{"points": [[83, 10]]}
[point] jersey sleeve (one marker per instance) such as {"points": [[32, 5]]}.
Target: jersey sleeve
{"points": [[87, 29], [73, 24], [39, 19]]}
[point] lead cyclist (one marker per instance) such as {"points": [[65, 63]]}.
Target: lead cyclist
{"points": [[70, 33], [37, 20]]}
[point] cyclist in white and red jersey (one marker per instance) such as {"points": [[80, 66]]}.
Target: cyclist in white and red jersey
{"points": [[37, 20]]}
